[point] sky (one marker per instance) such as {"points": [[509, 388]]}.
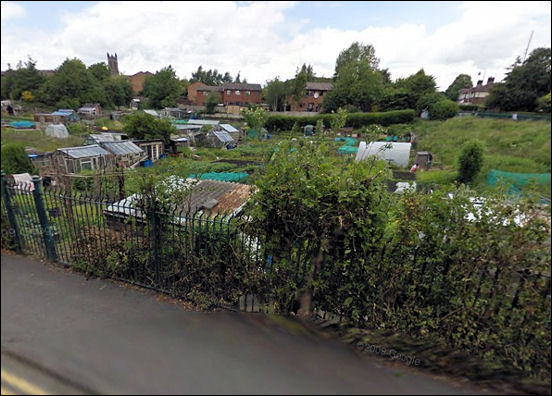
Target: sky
{"points": [[262, 40]]}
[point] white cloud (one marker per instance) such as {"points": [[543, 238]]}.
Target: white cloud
{"points": [[257, 39], [11, 10]]}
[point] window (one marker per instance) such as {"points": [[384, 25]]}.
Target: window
{"points": [[248, 93], [238, 92], [204, 93], [86, 165], [309, 106], [228, 92]]}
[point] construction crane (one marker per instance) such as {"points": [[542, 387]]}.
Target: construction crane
{"points": [[528, 43]]}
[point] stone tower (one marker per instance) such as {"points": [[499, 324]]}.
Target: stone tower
{"points": [[113, 64]]}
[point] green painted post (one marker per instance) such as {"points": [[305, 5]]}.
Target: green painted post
{"points": [[43, 218], [11, 215]]}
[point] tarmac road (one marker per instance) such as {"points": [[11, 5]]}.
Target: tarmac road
{"points": [[62, 333]]}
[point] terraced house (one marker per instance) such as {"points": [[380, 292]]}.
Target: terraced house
{"points": [[314, 95], [232, 94]]}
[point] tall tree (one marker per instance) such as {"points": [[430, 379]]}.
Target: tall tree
{"points": [[524, 83], [357, 52], [24, 78], [275, 93], [417, 84], [460, 82], [163, 88], [211, 77]]}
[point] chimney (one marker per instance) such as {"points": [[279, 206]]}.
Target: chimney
{"points": [[490, 81], [479, 83]]}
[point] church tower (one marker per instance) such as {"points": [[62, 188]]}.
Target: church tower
{"points": [[113, 64]]}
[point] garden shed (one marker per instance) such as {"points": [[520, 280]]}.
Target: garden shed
{"points": [[127, 154], [394, 153], [57, 131], [77, 159]]}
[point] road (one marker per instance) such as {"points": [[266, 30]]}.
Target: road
{"points": [[62, 333]]}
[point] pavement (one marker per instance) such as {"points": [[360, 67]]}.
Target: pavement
{"points": [[63, 334]]}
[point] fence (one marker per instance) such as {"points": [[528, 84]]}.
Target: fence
{"points": [[213, 259]]}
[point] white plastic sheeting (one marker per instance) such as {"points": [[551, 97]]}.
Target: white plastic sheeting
{"points": [[57, 131], [395, 153]]}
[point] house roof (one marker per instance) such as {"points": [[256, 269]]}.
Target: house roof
{"points": [[122, 148], [319, 86], [209, 88], [242, 86], [92, 150]]}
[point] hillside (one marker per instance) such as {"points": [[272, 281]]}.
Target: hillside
{"points": [[512, 146]]}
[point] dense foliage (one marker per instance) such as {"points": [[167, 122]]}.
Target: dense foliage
{"points": [[470, 161], [163, 88], [16, 160], [141, 125], [355, 120], [460, 82], [524, 84]]}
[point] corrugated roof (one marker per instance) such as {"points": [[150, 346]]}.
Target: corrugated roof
{"points": [[242, 86], [223, 136], [102, 138], [152, 112], [320, 86], [122, 148], [228, 128], [203, 122], [92, 150], [222, 197], [186, 127]]}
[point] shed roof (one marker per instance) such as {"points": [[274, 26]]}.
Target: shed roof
{"points": [[228, 128], [122, 148], [203, 122], [223, 136], [92, 150]]}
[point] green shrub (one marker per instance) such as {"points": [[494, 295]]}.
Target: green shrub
{"points": [[470, 161], [354, 120], [16, 160], [443, 109]]}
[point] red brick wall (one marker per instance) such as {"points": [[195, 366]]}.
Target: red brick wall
{"points": [[243, 98], [305, 100]]}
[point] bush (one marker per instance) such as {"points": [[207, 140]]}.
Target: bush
{"points": [[443, 109], [78, 129], [354, 120], [470, 161], [16, 160]]}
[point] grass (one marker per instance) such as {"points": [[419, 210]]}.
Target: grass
{"points": [[512, 146], [38, 139]]}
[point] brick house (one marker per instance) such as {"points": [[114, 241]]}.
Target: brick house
{"points": [[192, 90], [238, 94], [477, 94], [314, 95], [137, 80]]}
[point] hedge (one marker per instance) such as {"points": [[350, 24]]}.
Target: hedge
{"points": [[354, 120]]}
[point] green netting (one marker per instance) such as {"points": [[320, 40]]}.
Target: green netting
{"points": [[349, 141], [347, 150], [223, 176], [179, 122], [518, 180]]}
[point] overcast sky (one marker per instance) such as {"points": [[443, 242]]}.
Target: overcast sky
{"points": [[267, 39]]}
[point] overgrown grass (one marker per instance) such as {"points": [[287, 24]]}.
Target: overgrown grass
{"points": [[38, 139], [512, 146]]}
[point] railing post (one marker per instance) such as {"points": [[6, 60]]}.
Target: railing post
{"points": [[11, 215], [43, 218]]}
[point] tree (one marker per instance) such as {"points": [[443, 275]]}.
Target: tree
{"points": [[460, 82], [256, 118], [275, 93], [100, 71], [299, 83], [119, 90], [163, 88], [358, 85], [212, 77], [417, 84], [141, 125], [523, 84], [443, 109], [543, 103], [339, 120], [427, 100], [24, 78], [72, 81], [16, 160], [357, 52], [212, 101], [470, 161], [319, 128]]}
